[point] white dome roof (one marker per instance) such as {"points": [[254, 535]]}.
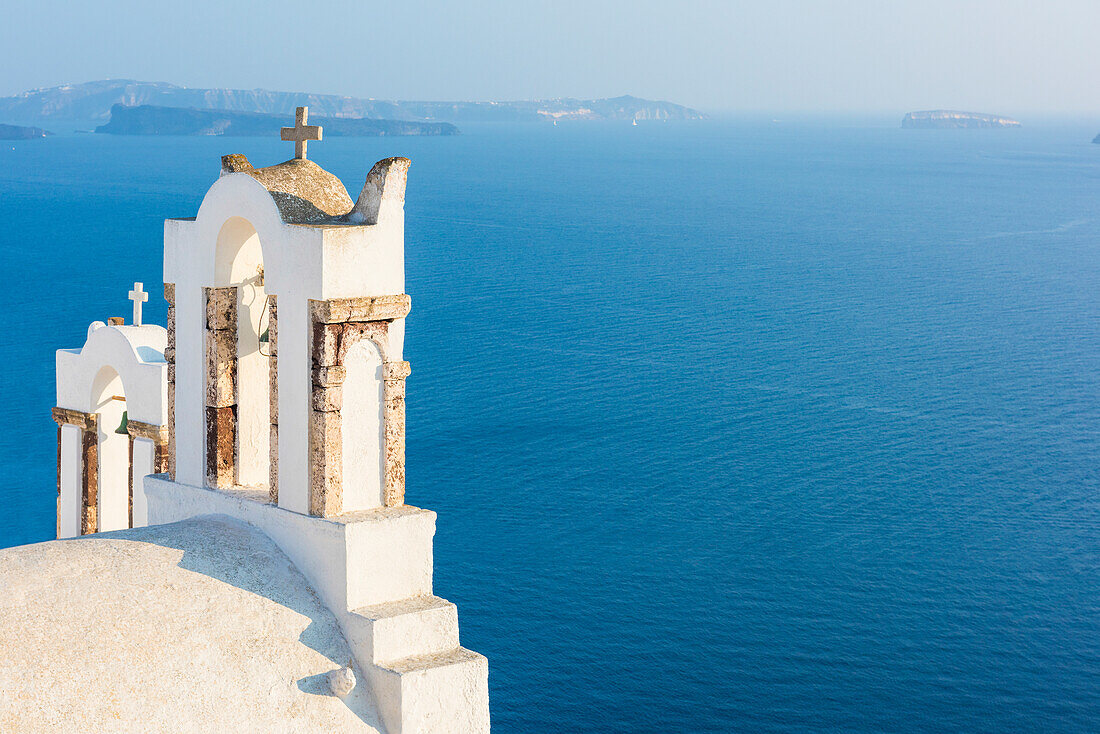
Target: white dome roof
{"points": [[199, 625]]}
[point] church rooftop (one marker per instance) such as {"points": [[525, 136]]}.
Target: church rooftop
{"points": [[169, 628], [304, 192]]}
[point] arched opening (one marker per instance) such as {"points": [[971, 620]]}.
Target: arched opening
{"points": [[362, 428], [240, 264], [113, 495]]}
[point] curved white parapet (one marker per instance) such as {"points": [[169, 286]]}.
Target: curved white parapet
{"points": [[135, 353]]}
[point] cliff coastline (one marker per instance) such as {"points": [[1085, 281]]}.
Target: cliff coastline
{"points": [[951, 119], [153, 120], [19, 132]]}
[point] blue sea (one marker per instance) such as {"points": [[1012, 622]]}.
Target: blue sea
{"points": [[731, 426]]}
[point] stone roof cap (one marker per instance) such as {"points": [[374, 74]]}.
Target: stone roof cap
{"points": [[305, 193]]}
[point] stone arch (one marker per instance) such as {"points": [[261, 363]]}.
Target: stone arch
{"points": [[240, 377], [236, 209], [357, 424]]}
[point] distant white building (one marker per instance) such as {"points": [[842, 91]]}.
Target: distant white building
{"points": [[264, 573]]}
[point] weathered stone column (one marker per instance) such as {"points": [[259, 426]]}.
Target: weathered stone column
{"points": [[393, 376], [326, 457], [85, 458], [221, 386], [130, 483], [90, 486], [273, 379], [170, 358]]}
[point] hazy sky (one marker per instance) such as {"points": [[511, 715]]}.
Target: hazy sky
{"points": [[1001, 56]]}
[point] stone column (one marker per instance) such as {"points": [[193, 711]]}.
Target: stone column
{"points": [[393, 376], [273, 378], [130, 483], [89, 521], [326, 455], [78, 466], [221, 386], [170, 358]]}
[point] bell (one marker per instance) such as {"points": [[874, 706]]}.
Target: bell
{"points": [[122, 426], [266, 336]]}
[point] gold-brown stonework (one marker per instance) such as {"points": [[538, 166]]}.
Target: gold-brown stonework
{"points": [[221, 368], [221, 308], [221, 386], [393, 415], [80, 419], [273, 469], [170, 358], [378, 308], [273, 382], [304, 192], [337, 325], [160, 458], [90, 476], [221, 424], [326, 488], [130, 482], [172, 421], [157, 434]]}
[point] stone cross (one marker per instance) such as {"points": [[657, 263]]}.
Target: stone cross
{"points": [[138, 296], [301, 133]]}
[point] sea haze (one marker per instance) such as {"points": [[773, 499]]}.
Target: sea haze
{"points": [[757, 427]]}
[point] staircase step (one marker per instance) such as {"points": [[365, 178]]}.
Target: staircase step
{"points": [[441, 693], [418, 626], [416, 663]]}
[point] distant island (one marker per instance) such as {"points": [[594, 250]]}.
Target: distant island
{"points": [[152, 120], [955, 119], [85, 106], [18, 132]]}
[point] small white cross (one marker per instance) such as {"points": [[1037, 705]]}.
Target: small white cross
{"points": [[301, 133], [138, 297]]}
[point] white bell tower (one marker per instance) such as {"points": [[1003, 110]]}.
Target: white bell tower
{"points": [[282, 386]]}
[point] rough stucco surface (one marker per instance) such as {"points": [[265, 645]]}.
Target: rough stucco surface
{"points": [[201, 625], [303, 191]]}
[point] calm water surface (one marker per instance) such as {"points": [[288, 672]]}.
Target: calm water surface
{"points": [[730, 427]]}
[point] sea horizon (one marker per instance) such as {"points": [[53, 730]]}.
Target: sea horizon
{"points": [[730, 425]]}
